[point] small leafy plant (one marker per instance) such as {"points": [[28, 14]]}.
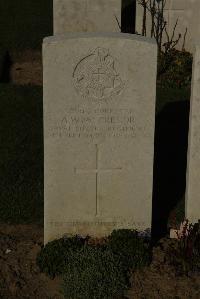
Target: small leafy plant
{"points": [[133, 250], [94, 273], [186, 254], [56, 254], [175, 69], [95, 268]]}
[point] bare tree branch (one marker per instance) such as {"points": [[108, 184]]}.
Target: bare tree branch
{"points": [[156, 10], [118, 22], [184, 38]]}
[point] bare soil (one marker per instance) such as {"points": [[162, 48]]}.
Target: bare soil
{"points": [[26, 68], [161, 280], [20, 277]]}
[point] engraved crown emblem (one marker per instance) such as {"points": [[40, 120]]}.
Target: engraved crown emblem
{"points": [[95, 76]]}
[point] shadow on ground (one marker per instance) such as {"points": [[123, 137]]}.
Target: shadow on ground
{"points": [[5, 68], [21, 152], [171, 139]]}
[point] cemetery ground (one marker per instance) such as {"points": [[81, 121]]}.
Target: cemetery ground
{"points": [[21, 201]]}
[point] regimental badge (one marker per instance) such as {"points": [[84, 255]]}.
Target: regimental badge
{"points": [[95, 76]]}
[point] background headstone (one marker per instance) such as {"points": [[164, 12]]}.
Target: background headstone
{"points": [[99, 110], [193, 169], [86, 16]]}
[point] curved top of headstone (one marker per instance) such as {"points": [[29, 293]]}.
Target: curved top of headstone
{"points": [[116, 35]]}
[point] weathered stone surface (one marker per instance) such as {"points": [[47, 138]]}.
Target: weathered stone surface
{"points": [[193, 173], [188, 14], [86, 16], [99, 110]]}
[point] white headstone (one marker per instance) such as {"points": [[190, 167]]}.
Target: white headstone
{"points": [[99, 110], [193, 168], [86, 16]]}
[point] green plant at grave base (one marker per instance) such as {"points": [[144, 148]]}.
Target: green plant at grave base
{"points": [[175, 69], [134, 251], [94, 273], [185, 253], [95, 269], [53, 258]]}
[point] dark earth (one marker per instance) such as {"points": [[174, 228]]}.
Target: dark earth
{"points": [[20, 277]]}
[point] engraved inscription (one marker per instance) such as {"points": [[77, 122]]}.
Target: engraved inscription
{"points": [[123, 223], [95, 76], [93, 123], [99, 226]]}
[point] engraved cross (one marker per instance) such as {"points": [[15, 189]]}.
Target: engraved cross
{"points": [[97, 170], [99, 74], [104, 78]]}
